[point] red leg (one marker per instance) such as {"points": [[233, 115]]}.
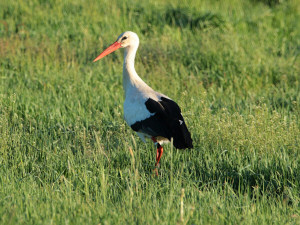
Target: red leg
{"points": [[159, 151]]}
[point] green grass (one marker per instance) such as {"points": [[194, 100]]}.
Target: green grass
{"points": [[66, 154]]}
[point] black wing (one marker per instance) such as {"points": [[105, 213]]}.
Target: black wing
{"points": [[166, 122]]}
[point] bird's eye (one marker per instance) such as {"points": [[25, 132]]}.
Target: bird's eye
{"points": [[123, 38]]}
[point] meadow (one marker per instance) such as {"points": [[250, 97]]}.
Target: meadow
{"points": [[68, 157]]}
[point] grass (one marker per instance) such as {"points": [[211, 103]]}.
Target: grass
{"points": [[66, 154]]}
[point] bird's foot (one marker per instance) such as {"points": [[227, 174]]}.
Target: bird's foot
{"points": [[156, 172], [156, 168]]}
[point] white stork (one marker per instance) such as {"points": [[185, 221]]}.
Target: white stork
{"points": [[149, 113]]}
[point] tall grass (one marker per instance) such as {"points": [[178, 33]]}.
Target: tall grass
{"points": [[66, 154]]}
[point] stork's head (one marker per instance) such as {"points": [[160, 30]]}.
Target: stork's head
{"points": [[125, 40]]}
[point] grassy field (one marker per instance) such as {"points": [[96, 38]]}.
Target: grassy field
{"points": [[66, 154]]}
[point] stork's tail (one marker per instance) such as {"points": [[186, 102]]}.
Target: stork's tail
{"points": [[181, 135]]}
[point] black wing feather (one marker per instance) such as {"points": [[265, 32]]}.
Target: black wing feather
{"points": [[166, 122]]}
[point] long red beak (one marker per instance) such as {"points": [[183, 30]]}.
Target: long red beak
{"points": [[109, 50]]}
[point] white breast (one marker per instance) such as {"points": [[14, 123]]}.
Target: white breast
{"points": [[134, 105]]}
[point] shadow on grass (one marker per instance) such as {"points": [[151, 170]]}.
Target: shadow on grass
{"points": [[272, 178], [184, 18], [270, 3], [176, 17]]}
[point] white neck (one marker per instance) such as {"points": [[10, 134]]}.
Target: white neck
{"points": [[130, 77]]}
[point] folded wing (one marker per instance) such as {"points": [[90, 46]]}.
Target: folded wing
{"points": [[167, 122]]}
